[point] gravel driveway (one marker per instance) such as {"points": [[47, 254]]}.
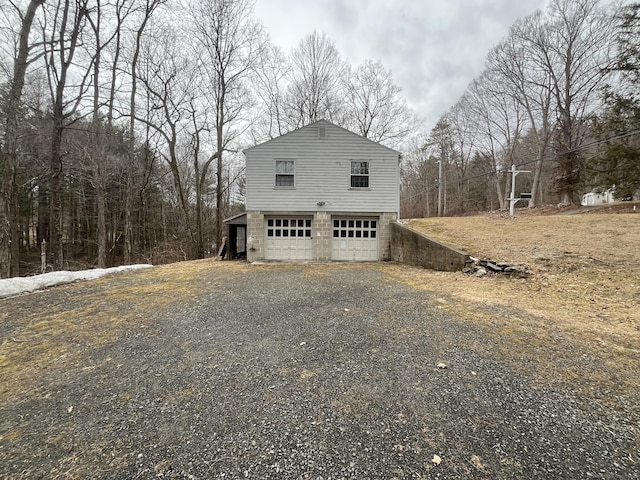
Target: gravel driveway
{"points": [[318, 372]]}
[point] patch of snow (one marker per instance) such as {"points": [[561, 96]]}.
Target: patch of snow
{"points": [[16, 285]]}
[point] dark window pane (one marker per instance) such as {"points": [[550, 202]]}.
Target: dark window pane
{"points": [[343, 233], [365, 224], [336, 223], [365, 234], [301, 233], [343, 223], [285, 233], [293, 233], [358, 233], [270, 222], [307, 233], [350, 233], [373, 234], [308, 223], [278, 223], [373, 224], [284, 180], [336, 233], [270, 233], [277, 233], [358, 224], [285, 223], [359, 181], [351, 223]]}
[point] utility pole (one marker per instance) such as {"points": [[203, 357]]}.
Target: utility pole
{"points": [[440, 187], [512, 198]]}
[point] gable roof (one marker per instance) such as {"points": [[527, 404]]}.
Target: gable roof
{"points": [[315, 124]]}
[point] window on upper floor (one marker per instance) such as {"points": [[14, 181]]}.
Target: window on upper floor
{"points": [[359, 174], [285, 175]]}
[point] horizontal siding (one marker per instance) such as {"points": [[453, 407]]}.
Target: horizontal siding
{"points": [[322, 173]]}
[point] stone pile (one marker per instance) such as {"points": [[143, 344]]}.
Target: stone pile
{"points": [[483, 267]]}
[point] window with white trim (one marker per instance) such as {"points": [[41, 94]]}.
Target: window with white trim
{"points": [[285, 176], [289, 227], [356, 228], [359, 174]]}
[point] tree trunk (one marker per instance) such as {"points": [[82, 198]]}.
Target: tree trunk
{"points": [[499, 191], [8, 154], [537, 173], [219, 190], [55, 202], [101, 220]]}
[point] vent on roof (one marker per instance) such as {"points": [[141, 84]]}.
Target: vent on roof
{"points": [[322, 132]]}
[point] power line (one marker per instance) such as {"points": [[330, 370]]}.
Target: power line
{"points": [[629, 133]]}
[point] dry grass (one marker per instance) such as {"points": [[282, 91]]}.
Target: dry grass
{"points": [[586, 268], [585, 288], [583, 297], [585, 283], [37, 337]]}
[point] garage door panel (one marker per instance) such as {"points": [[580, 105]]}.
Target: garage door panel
{"points": [[288, 239], [354, 239]]}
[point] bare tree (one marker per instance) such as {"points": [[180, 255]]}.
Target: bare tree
{"points": [[513, 62], [578, 52], [63, 30], [315, 81], [440, 145], [374, 105], [9, 251], [230, 44], [169, 83], [270, 87], [463, 135], [148, 9], [499, 122]]}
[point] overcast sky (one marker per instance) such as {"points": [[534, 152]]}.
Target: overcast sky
{"points": [[433, 47]]}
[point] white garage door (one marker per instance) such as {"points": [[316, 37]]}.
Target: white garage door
{"points": [[354, 239], [288, 239]]}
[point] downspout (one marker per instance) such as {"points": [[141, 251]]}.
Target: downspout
{"points": [[398, 196]]}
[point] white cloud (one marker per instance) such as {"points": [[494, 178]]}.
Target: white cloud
{"points": [[434, 48]]}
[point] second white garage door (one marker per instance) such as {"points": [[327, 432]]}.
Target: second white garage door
{"points": [[288, 239], [355, 239]]}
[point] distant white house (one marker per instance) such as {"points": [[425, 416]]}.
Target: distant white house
{"points": [[321, 193], [598, 197]]}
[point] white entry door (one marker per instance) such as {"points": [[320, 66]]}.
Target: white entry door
{"points": [[288, 239], [355, 239]]}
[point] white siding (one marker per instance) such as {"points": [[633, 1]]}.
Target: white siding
{"points": [[322, 173]]}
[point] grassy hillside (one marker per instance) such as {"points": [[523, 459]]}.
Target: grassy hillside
{"points": [[586, 268]]}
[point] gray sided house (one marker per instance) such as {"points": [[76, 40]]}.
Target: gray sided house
{"points": [[321, 193]]}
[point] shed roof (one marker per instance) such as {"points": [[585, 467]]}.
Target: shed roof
{"points": [[240, 219]]}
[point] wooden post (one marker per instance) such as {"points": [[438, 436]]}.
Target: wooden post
{"points": [[43, 256], [221, 251]]}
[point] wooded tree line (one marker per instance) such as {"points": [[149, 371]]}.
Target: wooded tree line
{"points": [[558, 97], [124, 120]]}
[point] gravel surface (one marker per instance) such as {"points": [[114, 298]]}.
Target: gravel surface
{"points": [[318, 372]]}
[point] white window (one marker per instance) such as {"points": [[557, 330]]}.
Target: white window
{"points": [[359, 174], [285, 173], [354, 228], [289, 227]]}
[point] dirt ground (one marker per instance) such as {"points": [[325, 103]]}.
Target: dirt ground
{"points": [[227, 370]]}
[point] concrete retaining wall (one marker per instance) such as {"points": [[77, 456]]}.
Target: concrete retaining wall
{"points": [[414, 248]]}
